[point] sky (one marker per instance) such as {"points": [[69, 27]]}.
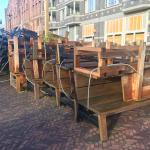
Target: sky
{"points": [[3, 5]]}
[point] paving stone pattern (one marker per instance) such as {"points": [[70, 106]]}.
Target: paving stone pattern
{"points": [[28, 124]]}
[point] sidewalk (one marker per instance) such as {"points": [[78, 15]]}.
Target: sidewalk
{"points": [[28, 124]]}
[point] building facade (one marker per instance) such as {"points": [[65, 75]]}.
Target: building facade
{"points": [[118, 21], [25, 13]]}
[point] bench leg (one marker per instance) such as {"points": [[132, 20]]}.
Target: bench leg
{"points": [[36, 91], [57, 92], [102, 127], [18, 85], [76, 117]]}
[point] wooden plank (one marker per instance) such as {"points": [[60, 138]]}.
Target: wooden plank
{"points": [[127, 87], [57, 92], [18, 83], [124, 48], [66, 83], [36, 91], [127, 106], [99, 90], [49, 76], [140, 72], [35, 50], [84, 71], [36, 69], [114, 54], [16, 55], [101, 100], [146, 92], [39, 43], [90, 49], [51, 83], [82, 80], [102, 127]]}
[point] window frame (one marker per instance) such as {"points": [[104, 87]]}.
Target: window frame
{"points": [[90, 8]]}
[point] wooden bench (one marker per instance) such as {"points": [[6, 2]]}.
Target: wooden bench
{"points": [[105, 99], [113, 93]]}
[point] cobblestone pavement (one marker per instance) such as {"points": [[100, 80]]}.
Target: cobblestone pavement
{"points": [[28, 124]]}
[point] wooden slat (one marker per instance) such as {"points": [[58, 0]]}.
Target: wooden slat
{"points": [[16, 55], [90, 49], [99, 90], [140, 73], [82, 80], [104, 99], [87, 72]]}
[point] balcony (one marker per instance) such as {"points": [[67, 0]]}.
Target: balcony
{"points": [[71, 20], [74, 19], [135, 5], [54, 25]]}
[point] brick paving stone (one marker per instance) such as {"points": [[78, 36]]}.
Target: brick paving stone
{"points": [[28, 124]]}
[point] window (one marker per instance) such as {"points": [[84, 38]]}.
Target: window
{"points": [[52, 16], [77, 8], [89, 6], [135, 23], [62, 14], [110, 3], [88, 30], [115, 26], [53, 3], [69, 9]]}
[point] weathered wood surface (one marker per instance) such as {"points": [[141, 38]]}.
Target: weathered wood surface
{"points": [[116, 89], [17, 81], [110, 62], [105, 99], [137, 85]]}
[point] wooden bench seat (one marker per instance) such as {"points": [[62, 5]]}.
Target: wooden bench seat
{"points": [[105, 106], [105, 99]]}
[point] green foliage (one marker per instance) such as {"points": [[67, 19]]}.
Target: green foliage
{"points": [[51, 37]]}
